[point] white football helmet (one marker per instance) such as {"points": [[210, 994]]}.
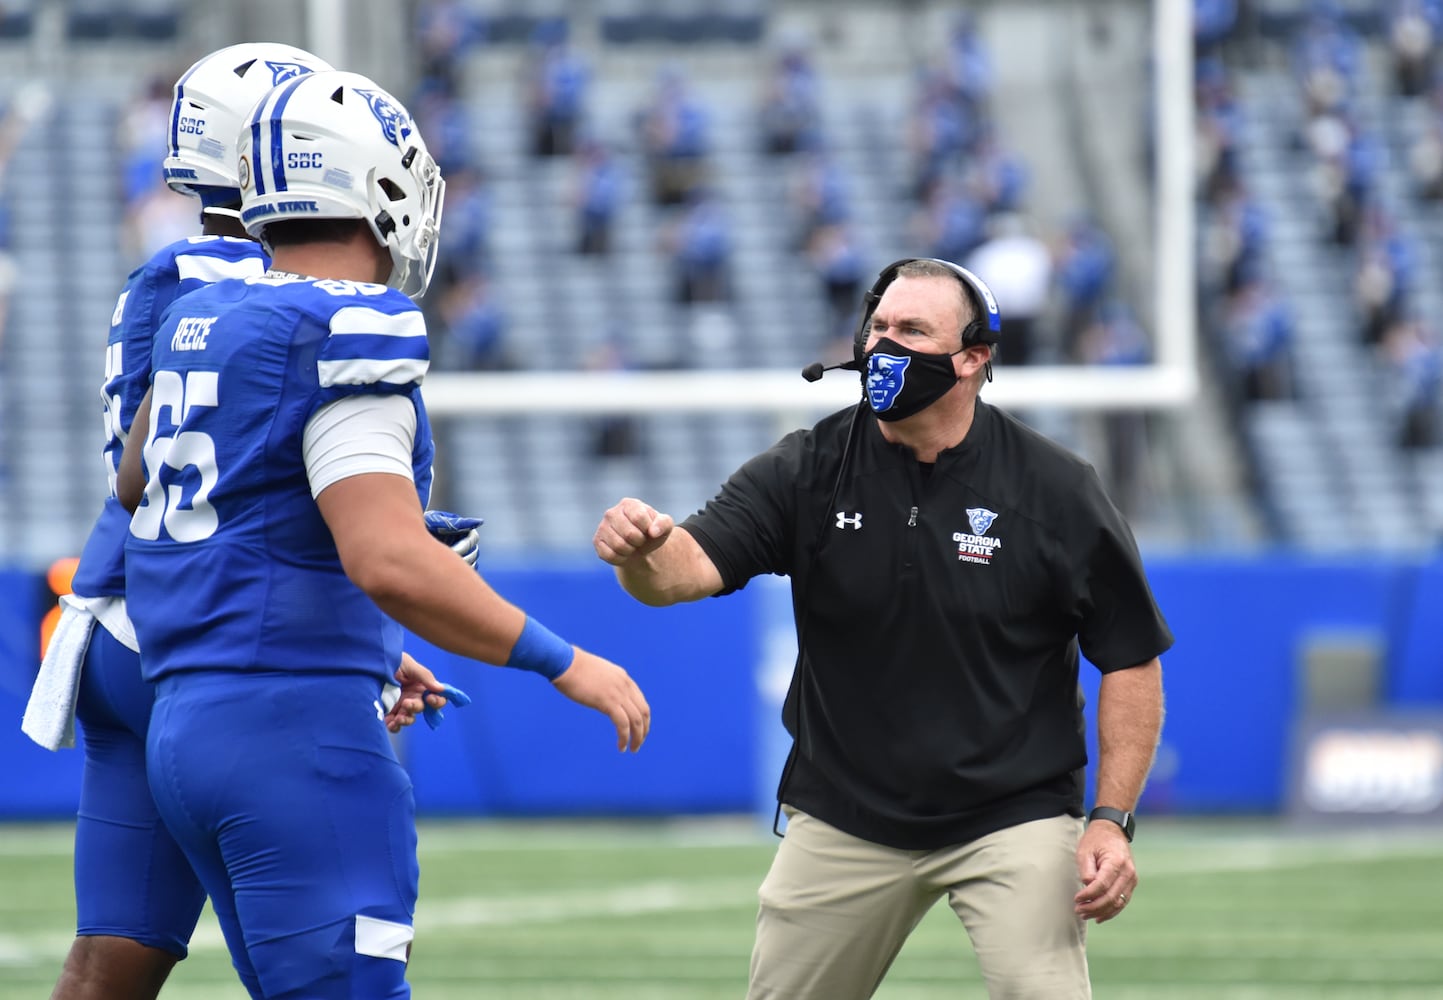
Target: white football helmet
{"points": [[211, 102], [336, 146]]}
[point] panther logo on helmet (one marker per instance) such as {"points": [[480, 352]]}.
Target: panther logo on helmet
{"points": [[395, 124], [283, 71]]}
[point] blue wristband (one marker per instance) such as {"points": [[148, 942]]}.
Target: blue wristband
{"points": [[541, 651]]}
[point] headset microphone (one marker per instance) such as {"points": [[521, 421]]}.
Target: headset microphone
{"points": [[813, 372]]}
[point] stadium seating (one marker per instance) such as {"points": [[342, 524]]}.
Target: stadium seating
{"points": [[1325, 464], [1328, 461]]}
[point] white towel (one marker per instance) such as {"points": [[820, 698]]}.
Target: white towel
{"points": [[50, 714]]}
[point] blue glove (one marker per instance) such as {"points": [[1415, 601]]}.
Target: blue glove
{"points": [[456, 531], [454, 696]]}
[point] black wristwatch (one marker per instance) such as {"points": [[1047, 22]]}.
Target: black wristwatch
{"points": [[1122, 819]]}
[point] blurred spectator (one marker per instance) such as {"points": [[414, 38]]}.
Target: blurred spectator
{"points": [[1362, 166], [613, 435], [445, 121], [1219, 123], [1327, 58], [556, 87], [839, 263], [1213, 22], [821, 195], [1425, 160], [466, 232], [29, 104], [1258, 338], [143, 137], [940, 129], [997, 177], [445, 31], [1116, 338], [156, 218], [966, 67], [599, 194], [1234, 238], [473, 326], [700, 246], [952, 224], [674, 135], [1413, 355], [1413, 31], [1017, 266], [1385, 276], [790, 107], [1083, 265]]}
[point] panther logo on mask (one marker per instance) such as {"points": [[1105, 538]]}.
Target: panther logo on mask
{"points": [[886, 375]]}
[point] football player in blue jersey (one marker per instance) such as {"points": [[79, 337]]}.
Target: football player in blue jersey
{"points": [[137, 899], [278, 549]]}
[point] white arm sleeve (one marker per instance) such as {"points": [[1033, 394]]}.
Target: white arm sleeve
{"points": [[359, 434]]}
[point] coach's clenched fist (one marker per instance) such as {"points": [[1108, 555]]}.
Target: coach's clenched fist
{"points": [[655, 562], [631, 528]]}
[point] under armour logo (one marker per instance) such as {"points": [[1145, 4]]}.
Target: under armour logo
{"points": [[853, 521]]}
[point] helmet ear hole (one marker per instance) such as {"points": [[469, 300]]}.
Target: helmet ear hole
{"points": [[393, 191]]}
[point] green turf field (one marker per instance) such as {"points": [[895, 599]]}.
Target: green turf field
{"points": [[664, 911]]}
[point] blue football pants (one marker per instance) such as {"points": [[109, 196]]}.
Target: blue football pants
{"points": [[131, 878], [286, 796]]}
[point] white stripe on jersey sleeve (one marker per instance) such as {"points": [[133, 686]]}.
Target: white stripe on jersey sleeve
{"points": [[395, 369], [369, 371], [361, 319], [203, 267]]}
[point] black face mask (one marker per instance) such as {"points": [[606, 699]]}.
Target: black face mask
{"points": [[901, 382]]}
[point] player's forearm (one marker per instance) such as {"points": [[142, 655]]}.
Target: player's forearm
{"points": [[1129, 722], [441, 599]]}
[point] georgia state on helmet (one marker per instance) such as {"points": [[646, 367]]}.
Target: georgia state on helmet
{"points": [[212, 99], [336, 146]]}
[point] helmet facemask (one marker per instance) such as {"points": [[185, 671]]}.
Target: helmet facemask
{"points": [[405, 216]]}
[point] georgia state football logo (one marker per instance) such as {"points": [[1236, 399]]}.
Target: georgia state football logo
{"points": [[886, 374], [283, 71], [394, 124]]}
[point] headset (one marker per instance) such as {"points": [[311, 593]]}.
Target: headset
{"points": [[985, 327]]}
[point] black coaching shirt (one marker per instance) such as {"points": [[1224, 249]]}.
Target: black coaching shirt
{"points": [[939, 617]]}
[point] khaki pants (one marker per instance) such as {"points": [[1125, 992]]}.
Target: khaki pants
{"points": [[835, 911]]}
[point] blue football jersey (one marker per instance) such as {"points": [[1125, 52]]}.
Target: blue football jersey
{"points": [[175, 270], [229, 564]]}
